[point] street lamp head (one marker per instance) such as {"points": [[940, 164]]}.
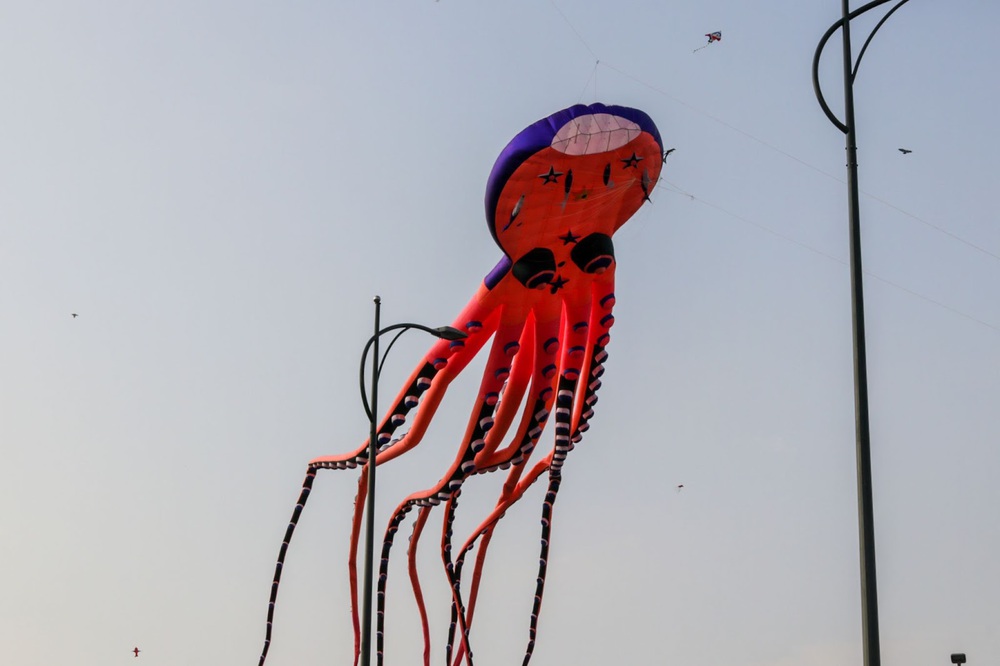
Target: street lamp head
{"points": [[449, 333], [958, 658]]}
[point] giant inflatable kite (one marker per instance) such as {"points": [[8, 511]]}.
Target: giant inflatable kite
{"points": [[556, 196]]}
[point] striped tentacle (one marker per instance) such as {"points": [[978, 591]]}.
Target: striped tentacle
{"points": [[383, 574], [555, 478], [303, 496], [457, 622], [517, 382], [546, 323], [498, 370], [477, 573], [409, 398], [572, 363], [510, 497], [585, 390], [578, 386], [445, 361], [507, 402], [426, 388], [411, 556], [485, 533], [544, 356]]}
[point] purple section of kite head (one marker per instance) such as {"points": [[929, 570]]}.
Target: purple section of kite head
{"points": [[501, 269], [539, 135]]}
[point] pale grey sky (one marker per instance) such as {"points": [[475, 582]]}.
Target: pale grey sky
{"points": [[218, 189]]}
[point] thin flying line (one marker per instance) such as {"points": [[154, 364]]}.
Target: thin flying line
{"points": [[592, 77], [935, 302], [721, 122], [911, 292], [575, 31], [754, 224], [880, 200]]}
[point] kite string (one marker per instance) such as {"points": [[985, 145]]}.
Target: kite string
{"points": [[592, 77], [573, 28], [761, 227], [800, 161]]}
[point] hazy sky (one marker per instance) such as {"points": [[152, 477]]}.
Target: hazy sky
{"points": [[218, 189]]}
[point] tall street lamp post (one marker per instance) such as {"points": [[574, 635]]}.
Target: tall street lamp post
{"points": [[371, 409], [869, 600]]}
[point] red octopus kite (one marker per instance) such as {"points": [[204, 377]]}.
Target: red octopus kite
{"points": [[556, 196]]}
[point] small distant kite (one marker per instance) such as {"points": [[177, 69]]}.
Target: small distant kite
{"points": [[712, 37], [137, 651], [75, 315], [905, 151], [680, 487]]}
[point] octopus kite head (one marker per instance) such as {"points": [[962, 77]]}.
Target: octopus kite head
{"points": [[564, 185]]}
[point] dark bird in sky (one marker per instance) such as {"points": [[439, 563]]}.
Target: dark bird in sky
{"points": [[75, 315], [136, 650], [668, 152], [680, 486], [905, 151]]}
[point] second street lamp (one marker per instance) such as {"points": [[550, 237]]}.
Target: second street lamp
{"points": [[866, 529]]}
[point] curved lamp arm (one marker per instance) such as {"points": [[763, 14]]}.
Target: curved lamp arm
{"points": [[442, 332]]}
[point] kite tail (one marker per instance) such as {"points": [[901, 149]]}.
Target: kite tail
{"points": [[383, 575], [303, 496], [458, 622], [418, 595], [555, 478], [477, 573]]}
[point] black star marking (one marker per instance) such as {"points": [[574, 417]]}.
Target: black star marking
{"points": [[570, 237], [551, 177], [558, 283], [633, 161]]}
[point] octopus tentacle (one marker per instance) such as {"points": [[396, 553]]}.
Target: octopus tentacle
{"points": [[555, 478], [585, 390], [507, 401], [505, 413], [601, 321], [573, 359], [299, 505], [457, 622], [498, 370], [514, 490], [516, 454], [546, 346], [426, 388], [572, 366], [411, 556], [474, 589]]}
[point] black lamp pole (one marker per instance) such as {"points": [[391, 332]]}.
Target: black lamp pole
{"points": [[371, 409], [869, 596]]}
